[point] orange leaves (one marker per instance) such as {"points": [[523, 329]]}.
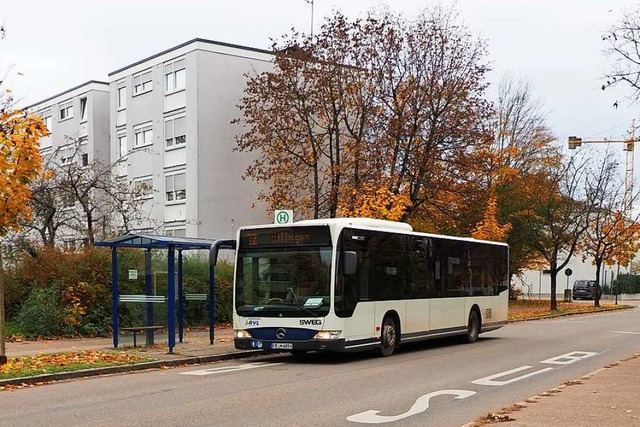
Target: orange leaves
{"points": [[489, 228], [379, 203], [72, 361], [19, 164], [622, 238], [531, 309]]}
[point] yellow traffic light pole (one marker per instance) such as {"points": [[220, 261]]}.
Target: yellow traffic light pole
{"points": [[575, 142]]}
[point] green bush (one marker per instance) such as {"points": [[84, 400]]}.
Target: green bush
{"points": [[81, 284], [40, 315], [626, 284]]}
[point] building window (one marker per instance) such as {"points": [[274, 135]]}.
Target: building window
{"points": [[175, 232], [46, 141], [122, 97], [69, 245], [142, 83], [66, 155], [175, 131], [48, 122], [143, 187], [84, 159], [66, 111], [176, 187], [83, 110], [122, 146], [175, 76], [143, 135]]}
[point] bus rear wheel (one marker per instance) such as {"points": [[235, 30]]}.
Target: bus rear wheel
{"points": [[389, 337], [473, 327]]}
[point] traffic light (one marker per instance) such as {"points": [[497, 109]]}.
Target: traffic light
{"points": [[574, 142], [629, 145]]}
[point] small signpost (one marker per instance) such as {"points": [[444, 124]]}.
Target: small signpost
{"points": [[567, 292], [283, 216]]}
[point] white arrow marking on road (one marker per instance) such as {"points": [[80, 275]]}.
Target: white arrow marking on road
{"points": [[421, 405], [626, 332], [225, 369]]}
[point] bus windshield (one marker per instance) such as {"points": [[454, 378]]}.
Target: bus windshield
{"points": [[283, 281]]}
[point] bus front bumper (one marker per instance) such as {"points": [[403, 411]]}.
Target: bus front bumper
{"points": [[293, 345]]}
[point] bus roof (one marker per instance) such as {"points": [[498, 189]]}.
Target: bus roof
{"points": [[359, 222], [371, 223]]}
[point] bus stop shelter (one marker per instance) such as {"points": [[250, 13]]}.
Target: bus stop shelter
{"points": [[171, 245]]}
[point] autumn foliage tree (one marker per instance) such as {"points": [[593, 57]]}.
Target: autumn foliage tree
{"points": [[378, 116], [557, 217], [611, 236], [516, 167], [19, 165], [489, 228]]}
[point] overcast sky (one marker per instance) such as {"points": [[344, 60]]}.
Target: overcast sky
{"points": [[52, 46]]}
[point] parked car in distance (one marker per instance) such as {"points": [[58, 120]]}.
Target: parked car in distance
{"points": [[584, 289]]}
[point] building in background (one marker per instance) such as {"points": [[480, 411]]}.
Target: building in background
{"points": [[171, 129], [165, 122], [78, 122]]}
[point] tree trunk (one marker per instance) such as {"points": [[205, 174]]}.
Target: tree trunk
{"points": [[3, 356], [554, 283], [596, 295]]}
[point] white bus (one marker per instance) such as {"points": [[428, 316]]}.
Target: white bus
{"points": [[355, 284]]}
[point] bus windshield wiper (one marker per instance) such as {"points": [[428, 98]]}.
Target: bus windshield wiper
{"points": [[301, 308]]}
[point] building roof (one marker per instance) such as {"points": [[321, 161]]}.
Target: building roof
{"points": [[66, 92], [196, 40]]}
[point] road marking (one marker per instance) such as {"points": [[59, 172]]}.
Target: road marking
{"points": [[626, 332], [569, 358], [490, 380], [421, 405], [226, 369]]}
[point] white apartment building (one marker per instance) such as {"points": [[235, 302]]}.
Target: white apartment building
{"points": [[170, 124], [77, 116], [166, 121]]}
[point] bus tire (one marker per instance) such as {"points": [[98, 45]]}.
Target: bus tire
{"points": [[388, 337], [473, 327]]}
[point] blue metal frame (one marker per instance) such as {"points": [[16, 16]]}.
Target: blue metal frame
{"points": [[171, 244], [180, 298], [148, 290], [213, 260]]}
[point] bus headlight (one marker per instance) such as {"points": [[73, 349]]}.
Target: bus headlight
{"points": [[241, 333], [328, 335]]}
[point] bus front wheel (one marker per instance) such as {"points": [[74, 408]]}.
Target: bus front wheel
{"points": [[473, 327], [389, 337]]}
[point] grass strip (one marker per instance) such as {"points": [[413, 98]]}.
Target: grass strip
{"points": [[28, 366]]}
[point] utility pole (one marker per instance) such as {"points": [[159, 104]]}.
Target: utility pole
{"points": [[311, 3], [629, 143], [3, 354]]}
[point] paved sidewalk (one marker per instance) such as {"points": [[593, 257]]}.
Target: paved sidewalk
{"points": [[607, 397], [195, 344]]}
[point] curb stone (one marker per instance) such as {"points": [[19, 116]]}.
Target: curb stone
{"points": [[551, 316]]}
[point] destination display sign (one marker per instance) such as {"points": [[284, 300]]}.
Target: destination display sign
{"points": [[285, 236]]}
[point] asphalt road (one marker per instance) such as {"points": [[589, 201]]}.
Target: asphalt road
{"points": [[439, 383]]}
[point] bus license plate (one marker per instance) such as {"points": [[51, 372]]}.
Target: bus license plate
{"points": [[281, 346]]}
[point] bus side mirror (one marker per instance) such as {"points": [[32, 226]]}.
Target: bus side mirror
{"points": [[349, 262]]}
